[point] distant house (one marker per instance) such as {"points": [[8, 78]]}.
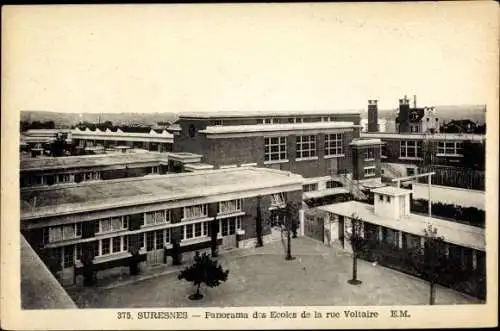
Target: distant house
{"points": [[460, 126], [416, 120]]}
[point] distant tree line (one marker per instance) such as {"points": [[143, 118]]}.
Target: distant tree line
{"points": [[36, 125]]}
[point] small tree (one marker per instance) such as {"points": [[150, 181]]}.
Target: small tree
{"points": [[258, 224], [430, 261], [204, 270], [289, 214], [358, 244]]}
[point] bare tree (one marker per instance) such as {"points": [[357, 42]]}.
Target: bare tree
{"points": [[430, 261], [358, 243]]}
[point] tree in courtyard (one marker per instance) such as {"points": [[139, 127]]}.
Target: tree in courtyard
{"points": [[258, 224], [430, 261], [203, 271], [358, 244], [289, 215]]}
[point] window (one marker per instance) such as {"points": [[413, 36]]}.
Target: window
{"points": [[278, 199], [189, 231], [369, 171], [267, 120], [310, 187], [306, 146], [63, 178], [410, 149], [381, 198], [105, 246], [65, 232], [195, 211], [160, 237], [450, 148], [332, 184], [157, 217], [275, 148], [229, 226], [369, 154], [388, 199], [196, 230], [218, 122], [150, 241], [116, 244], [113, 224], [68, 256], [78, 252], [227, 207], [333, 144]]}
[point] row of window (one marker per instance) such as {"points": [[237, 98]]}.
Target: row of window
{"points": [[271, 120], [275, 148], [150, 241], [413, 148], [119, 223]]}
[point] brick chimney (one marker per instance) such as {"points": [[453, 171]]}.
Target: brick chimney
{"points": [[373, 116], [404, 115]]}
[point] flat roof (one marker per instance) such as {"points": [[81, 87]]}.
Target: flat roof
{"points": [[452, 232], [89, 196], [198, 166], [39, 288], [391, 190], [81, 161], [276, 127], [262, 113], [325, 193], [366, 142], [418, 136]]}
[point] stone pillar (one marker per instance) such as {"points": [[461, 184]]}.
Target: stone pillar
{"points": [[380, 233], [400, 239], [422, 242]]}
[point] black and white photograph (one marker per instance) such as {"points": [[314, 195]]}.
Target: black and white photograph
{"points": [[244, 163]]}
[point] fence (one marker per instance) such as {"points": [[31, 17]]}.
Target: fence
{"points": [[455, 177]]}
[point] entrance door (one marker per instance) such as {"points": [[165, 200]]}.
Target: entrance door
{"points": [[154, 247], [228, 230]]}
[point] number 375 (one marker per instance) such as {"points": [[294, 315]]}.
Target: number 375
{"points": [[124, 315]]}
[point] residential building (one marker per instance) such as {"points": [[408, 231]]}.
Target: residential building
{"points": [[108, 219]]}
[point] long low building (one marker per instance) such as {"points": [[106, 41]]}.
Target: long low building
{"points": [[42, 171], [111, 218]]}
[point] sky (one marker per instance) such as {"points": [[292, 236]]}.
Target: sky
{"points": [[310, 57]]}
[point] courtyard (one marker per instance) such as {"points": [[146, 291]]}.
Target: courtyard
{"points": [[262, 277]]}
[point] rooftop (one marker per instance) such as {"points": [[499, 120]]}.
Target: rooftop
{"points": [[276, 127], [88, 196], [417, 136], [366, 142], [45, 163], [39, 288], [452, 232], [391, 190], [285, 113]]}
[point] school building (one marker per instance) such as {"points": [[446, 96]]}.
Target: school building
{"points": [[109, 218]]}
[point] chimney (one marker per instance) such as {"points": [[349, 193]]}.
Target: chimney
{"points": [[373, 116], [414, 101], [404, 115]]}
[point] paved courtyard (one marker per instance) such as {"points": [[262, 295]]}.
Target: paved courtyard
{"points": [[262, 277]]}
